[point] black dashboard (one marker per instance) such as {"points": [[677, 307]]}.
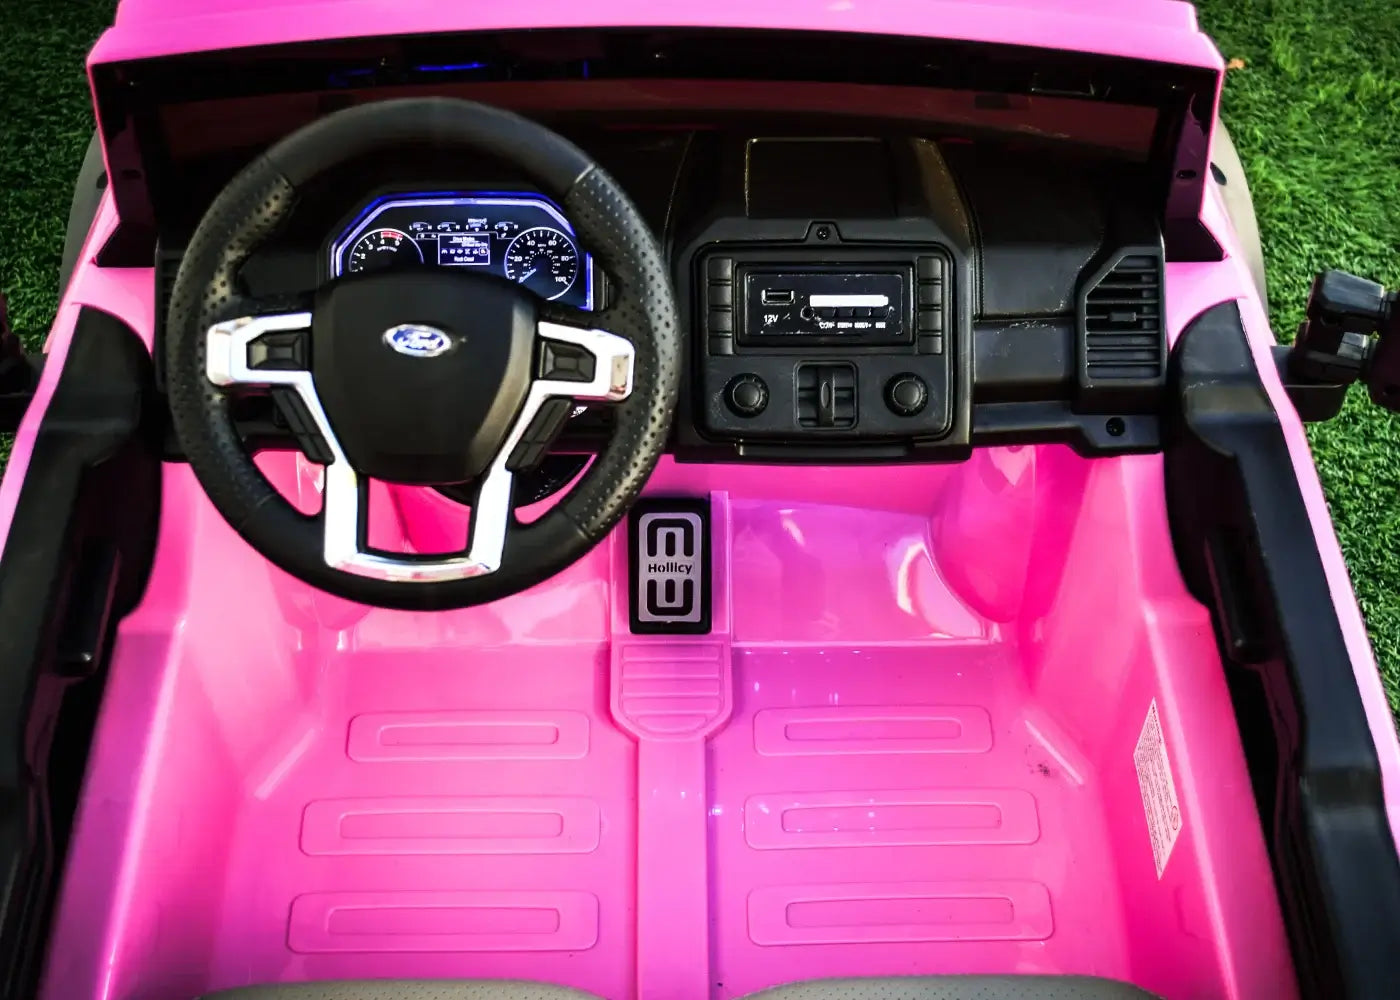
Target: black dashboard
{"points": [[846, 298]]}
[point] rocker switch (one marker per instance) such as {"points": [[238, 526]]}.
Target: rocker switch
{"points": [[561, 362], [284, 350], [826, 396]]}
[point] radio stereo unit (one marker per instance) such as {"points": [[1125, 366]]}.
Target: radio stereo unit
{"points": [[824, 306], [856, 346]]}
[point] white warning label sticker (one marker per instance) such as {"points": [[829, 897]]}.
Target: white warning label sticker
{"points": [[1159, 802]]}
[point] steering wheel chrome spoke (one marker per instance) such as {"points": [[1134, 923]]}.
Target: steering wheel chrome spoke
{"points": [[259, 351], [346, 519], [575, 364], [421, 377], [272, 352], [584, 363]]}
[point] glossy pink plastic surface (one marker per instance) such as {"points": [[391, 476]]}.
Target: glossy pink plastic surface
{"points": [[1160, 30], [908, 745]]}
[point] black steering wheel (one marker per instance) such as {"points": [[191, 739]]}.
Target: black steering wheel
{"points": [[427, 377]]}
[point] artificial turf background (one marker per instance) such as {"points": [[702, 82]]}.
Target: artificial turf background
{"points": [[1313, 105]]}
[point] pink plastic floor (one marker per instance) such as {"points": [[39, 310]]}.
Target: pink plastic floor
{"points": [[913, 744]]}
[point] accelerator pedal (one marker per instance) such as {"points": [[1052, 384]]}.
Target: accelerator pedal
{"points": [[671, 690]]}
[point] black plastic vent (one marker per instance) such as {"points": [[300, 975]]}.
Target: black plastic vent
{"points": [[1122, 337]]}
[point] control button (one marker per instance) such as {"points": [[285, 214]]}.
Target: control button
{"points": [[721, 269], [722, 296], [906, 394], [535, 442], [931, 343], [930, 295], [930, 268], [285, 350], [931, 320], [826, 395], [746, 395], [721, 321], [721, 345], [561, 362], [293, 410]]}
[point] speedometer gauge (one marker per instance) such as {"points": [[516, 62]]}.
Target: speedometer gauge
{"points": [[544, 260], [515, 236], [381, 248]]}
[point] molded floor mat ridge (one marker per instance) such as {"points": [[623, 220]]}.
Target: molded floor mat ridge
{"points": [[842, 833]]}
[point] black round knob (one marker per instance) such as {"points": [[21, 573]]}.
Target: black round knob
{"points": [[746, 395], [906, 394]]}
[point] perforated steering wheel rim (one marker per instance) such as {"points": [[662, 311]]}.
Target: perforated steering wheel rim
{"points": [[211, 322]]}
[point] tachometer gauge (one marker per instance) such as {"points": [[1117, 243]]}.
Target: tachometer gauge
{"points": [[381, 248], [544, 260]]}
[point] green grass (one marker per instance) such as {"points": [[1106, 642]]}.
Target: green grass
{"points": [[45, 123], [1315, 113]]}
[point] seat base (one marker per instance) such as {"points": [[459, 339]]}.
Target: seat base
{"points": [[957, 988], [871, 988], [401, 989]]}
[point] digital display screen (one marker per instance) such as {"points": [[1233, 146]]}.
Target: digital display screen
{"points": [[520, 236], [464, 249]]}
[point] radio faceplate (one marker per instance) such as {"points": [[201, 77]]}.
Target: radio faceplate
{"points": [[824, 306], [852, 343]]}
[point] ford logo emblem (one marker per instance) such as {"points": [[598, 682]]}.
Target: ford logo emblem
{"points": [[415, 340]]}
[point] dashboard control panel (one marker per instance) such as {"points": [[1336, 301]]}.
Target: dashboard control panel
{"points": [[823, 306], [853, 347], [521, 237]]}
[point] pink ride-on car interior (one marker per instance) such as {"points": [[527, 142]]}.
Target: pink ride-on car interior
{"points": [[653, 501]]}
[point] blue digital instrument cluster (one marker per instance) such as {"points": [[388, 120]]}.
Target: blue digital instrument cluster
{"points": [[522, 237]]}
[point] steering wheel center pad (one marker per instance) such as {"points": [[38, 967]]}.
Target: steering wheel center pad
{"points": [[261, 197], [422, 372]]}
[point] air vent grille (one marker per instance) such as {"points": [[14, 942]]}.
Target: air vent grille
{"points": [[1122, 334], [1123, 322]]}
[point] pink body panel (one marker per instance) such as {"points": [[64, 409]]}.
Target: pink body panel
{"points": [[1195, 287], [525, 790], [1158, 30], [915, 751]]}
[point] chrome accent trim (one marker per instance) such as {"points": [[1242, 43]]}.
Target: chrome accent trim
{"points": [[226, 349], [615, 358], [227, 364]]}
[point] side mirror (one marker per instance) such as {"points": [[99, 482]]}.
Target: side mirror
{"points": [[1352, 332]]}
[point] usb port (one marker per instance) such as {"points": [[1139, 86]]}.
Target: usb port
{"points": [[778, 296]]}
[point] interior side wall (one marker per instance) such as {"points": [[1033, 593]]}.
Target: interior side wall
{"points": [[202, 695], [1120, 638], [1247, 548], [84, 484]]}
